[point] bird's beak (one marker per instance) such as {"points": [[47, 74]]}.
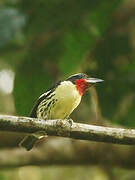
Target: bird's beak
{"points": [[93, 80]]}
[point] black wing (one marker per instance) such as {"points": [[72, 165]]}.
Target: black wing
{"points": [[41, 98]]}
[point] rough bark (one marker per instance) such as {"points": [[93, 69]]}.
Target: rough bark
{"points": [[65, 128]]}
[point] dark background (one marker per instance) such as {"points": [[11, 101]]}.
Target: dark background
{"points": [[47, 40]]}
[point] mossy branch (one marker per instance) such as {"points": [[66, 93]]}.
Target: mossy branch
{"points": [[65, 128]]}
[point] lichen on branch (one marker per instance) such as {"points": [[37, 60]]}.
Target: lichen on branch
{"points": [[65, 128]]}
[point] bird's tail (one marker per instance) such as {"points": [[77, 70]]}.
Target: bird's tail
{"points": [[28, 142]]}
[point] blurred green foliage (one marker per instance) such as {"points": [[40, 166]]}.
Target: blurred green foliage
{"points": [[11, 23], [47, 40], [44, 41]]}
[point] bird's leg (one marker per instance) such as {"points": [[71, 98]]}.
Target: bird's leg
{"points": [[70, 121]]}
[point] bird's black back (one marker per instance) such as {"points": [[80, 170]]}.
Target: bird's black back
{"points": [[41, 98]]}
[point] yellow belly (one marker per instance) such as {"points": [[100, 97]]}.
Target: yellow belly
{"points": [[68, 99]]}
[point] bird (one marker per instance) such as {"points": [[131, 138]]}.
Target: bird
{"points": [[59, 102]]}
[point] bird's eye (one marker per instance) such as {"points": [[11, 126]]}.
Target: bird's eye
{"points": [[85, 75]]}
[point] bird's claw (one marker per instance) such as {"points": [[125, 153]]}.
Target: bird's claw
{"points": [[70, 121]]}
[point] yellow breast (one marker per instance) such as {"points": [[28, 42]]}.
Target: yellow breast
{"points": [[68, 99]]}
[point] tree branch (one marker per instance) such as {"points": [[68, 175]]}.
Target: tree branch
{"points": [[64, 128], [64, 151]]}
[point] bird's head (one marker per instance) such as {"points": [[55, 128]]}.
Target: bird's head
{"points": [[82, 82]]}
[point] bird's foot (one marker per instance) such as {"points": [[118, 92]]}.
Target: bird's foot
{"points": [[70, 121]]}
